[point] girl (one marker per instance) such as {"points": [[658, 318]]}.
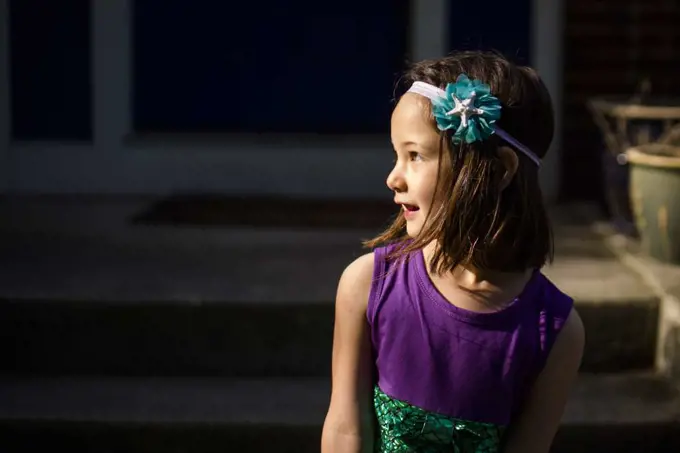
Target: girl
{"points": [[448, 338]]}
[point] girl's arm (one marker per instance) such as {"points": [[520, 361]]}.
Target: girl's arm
{"points": [[535, 428], [348, 427]]}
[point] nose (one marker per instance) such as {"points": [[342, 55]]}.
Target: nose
{"points": [[395, 180]]}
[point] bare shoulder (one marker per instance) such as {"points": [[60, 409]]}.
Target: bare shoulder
{"points": [[571, 340], [349, 421], [355, 282], [535, 428]]}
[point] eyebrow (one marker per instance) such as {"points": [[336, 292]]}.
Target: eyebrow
{"points": [[407, 143], [419, 145]]}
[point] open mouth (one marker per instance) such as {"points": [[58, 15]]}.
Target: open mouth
{"points": [[410, 208]]}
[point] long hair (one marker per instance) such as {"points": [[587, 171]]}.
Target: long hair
{"points": [[474, 222]]}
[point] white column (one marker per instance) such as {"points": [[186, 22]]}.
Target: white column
{"points": [[429, 25], [111, 73], [5, 112], [548, 31]]}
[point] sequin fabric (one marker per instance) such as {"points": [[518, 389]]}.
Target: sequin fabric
{"points": [[406, 428]]}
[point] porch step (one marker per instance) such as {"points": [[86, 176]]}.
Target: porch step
{"points": [[613, 413], [241, 303], [241, 340]]}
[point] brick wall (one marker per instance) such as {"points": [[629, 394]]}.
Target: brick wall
{"points": [[610, 47]]}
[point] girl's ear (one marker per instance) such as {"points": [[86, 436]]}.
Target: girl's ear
{"points": [[510, 162]]}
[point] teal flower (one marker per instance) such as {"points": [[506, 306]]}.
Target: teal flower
{"points": [[469, 108]]}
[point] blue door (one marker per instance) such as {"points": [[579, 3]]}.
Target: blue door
{"points": [[299, 66]]}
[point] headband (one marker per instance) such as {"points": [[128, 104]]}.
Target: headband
{"points": [[469, 108]]}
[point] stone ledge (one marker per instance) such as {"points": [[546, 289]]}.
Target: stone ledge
{"points": [[664, 280]]}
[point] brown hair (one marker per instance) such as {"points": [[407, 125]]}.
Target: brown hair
{"points": [[478, 225]]}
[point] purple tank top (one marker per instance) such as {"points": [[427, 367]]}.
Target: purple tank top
{"points": [[448, 360]]}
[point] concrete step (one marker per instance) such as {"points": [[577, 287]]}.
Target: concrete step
{"points": [[232, 302], [613, 413], [620, 312], [232, 339]]}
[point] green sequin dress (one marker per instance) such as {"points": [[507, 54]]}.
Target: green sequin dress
{"points": [[403, 427]]}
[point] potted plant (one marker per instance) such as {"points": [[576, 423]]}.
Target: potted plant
{"points": [[627, 122], [655, 196]]}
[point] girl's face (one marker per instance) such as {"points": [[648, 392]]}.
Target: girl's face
{"points": [[416, 144]]}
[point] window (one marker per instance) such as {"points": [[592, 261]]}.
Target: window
{"points": [[299, 66], [50, 70]]}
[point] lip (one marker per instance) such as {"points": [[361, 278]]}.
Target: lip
{"points": [[408, 215]]}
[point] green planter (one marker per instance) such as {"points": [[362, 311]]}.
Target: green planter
{"points": [[655, 199]]}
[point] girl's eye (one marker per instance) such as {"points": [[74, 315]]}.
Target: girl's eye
{"points": [[414, 156]]}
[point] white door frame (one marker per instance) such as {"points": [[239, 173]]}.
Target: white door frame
{"points": [[6, 166], [117, 162], [547, 58]]}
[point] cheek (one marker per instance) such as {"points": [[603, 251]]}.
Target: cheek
{"points": [[428, 186]]}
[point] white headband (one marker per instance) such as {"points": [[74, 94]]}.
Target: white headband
{"points": [[434, 93]]}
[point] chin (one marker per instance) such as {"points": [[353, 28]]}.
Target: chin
{"points": [[413, 229]]}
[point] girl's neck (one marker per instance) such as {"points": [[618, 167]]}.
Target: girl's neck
{"points": [[491, 289]]}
